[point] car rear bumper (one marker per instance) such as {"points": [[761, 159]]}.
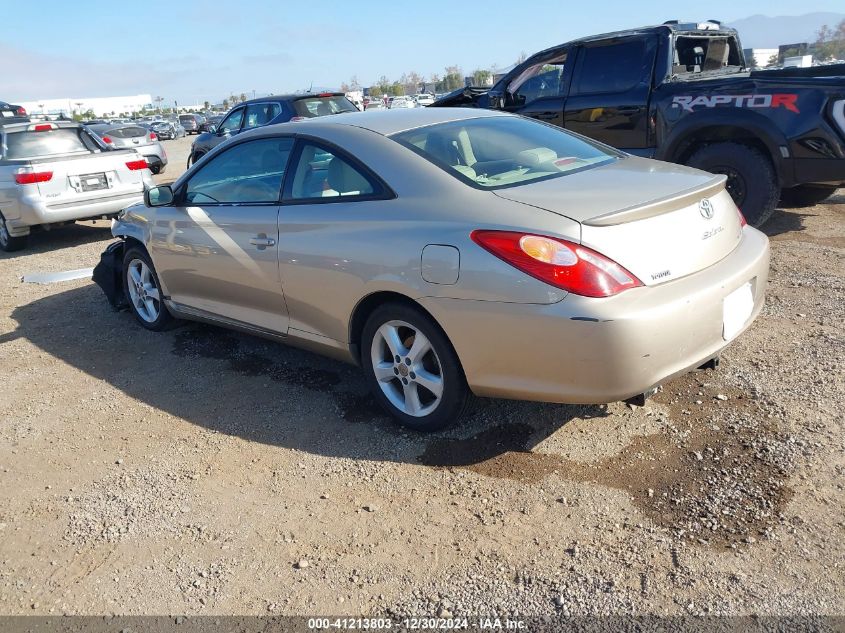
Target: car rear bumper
{"points": [[35, 212], [585, 350]]}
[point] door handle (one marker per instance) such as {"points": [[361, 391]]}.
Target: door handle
{"points": [[262, 241]]}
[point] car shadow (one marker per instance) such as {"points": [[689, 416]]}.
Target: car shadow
{"points": [[264, 391], [41, 241], [785, 221]]}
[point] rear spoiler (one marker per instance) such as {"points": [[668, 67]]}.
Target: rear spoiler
{"points": [[661, 205]]}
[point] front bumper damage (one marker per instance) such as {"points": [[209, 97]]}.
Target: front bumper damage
{"points": [[108, 274]]}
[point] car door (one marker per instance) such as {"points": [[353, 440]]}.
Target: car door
{"points": [[216, 248], [330, 200], [610, 91], [539, 89]]}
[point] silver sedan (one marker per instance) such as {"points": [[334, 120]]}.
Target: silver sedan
{"points": [[449, 252]]}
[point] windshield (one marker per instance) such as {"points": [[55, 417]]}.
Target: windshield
{"points": [[502, 151], [38, 144], [321, 106]]}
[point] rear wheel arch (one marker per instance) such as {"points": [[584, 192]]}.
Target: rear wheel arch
{"points": [[685, 146], [369, 304]]}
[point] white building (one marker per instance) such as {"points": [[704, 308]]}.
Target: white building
{"points": [[760, 56], [99, 105]]}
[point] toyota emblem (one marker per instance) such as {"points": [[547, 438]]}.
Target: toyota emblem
{"points": [[705, 207]]}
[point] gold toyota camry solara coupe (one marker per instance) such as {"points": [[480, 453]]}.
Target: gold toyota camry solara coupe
{"points": [[449, 252]]}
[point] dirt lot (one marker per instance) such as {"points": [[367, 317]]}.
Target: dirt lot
{"points": [[203, 471]]}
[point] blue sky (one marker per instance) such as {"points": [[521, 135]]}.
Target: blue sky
{"points": [[196, 50]]}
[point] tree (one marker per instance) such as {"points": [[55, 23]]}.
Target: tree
{"points": [[206, 105], [482, 77], [225, 104], [344, 87], [830, 43], [242, 97], [773, 61], [397, 89], [353, 83], [376, 91], [454, 78]]}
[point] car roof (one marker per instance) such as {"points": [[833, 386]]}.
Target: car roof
{"points": [[389, 122]]}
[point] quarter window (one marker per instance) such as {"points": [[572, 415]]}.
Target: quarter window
{"points": [[248, 173], [537, 81], [321, 174]]}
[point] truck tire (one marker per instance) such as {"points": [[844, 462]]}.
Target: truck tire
{"points": [[9, 243], [752, 181], [806, 195]]}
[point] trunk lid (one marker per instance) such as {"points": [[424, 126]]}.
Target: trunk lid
{"points": [[90, 177], [658, 220]]}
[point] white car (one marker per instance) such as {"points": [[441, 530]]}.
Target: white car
{"points": [[424, 99], [53, 173], [403, 102]]}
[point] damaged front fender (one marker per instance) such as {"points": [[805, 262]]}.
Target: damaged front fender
{"points": [[108, 274]]}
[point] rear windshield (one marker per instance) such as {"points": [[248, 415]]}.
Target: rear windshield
{"points": [[321, 106], [502, 151], [126, 132], [186, 118], [38, 144]]}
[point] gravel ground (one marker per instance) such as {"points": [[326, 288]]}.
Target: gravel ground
{"points": [[202, 471]]}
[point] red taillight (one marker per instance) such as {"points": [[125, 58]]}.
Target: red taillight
{"points": [[45, 127], [32, 177], [153, 136], [135, 165], [326, 94], [557, 262], [20, 111], [742, 220], [107, 140]]}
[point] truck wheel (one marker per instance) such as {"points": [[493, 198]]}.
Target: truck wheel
{"points": [[806, 195], [9, 243], [752, 181]]}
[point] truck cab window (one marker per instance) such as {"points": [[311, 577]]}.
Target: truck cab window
{"points": [[615, 66]]}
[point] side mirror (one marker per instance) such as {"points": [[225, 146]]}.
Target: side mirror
{"points": [[158, 196]]}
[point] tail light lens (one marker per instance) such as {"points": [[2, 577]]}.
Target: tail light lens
{"points": [[29, 177], [107, 140], [43, 127], [559, 263], [135, 165], [153, 136], [742, 220], [20, 111]]}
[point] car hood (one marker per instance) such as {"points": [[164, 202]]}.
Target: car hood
{"points": [[627, 183]]}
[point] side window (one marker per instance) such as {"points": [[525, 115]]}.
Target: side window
{"points": [[615, 67], [258, 114], [247, 173], [232, 123], [539, 80], [321, 174]]}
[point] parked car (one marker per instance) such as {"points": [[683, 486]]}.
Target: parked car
{"points": [[267, 111], [683, 93], [449, 252], [55, 173], [214, 120], [402, 102], [10, 112], [424, 99], [191, 122], [376, 104], [165, 130], [132, 136]]}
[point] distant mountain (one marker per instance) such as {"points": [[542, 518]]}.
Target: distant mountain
{"points": [[761, 31]]}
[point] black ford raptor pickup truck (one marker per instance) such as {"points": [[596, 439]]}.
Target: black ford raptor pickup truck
{"points": [[683, 93]]}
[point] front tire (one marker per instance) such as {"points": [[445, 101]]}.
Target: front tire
{"points": [[752, 181], [806, 195], [8, 243], [143, 292], [412, 369]]}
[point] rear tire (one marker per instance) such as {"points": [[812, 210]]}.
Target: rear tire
{"points": [[9, 243], [412, 369], [752, 181], [143, 292], [806, 195]]}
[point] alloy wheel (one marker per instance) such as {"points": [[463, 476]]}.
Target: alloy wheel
{"points": [[407, 368], [143, 291]]}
